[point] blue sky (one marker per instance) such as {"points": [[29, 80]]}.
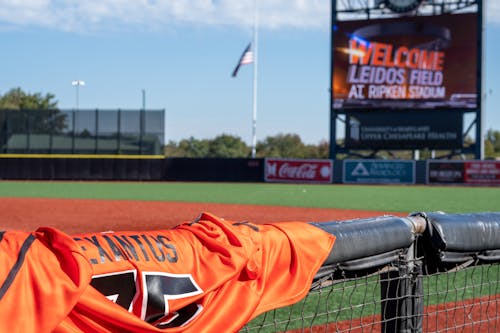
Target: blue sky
{"points": [[182, 54]]}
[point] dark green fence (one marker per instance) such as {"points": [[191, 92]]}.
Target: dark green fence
{"points": [[124, 132]]}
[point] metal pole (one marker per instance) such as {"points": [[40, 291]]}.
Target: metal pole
{"points": [[255, 62], [118, 132], [402, 291], [480, 74], [77, 84], [96, 131], [73, 124], [332, 112], [142, 123], [144, 99]]}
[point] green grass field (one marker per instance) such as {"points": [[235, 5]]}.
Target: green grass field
{"points": [[381, 198]]}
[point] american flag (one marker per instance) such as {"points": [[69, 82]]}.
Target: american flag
{"points": [[245, 59]]}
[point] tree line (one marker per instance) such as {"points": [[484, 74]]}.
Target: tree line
{"points": [[285, 145], [291, 146], [230, 146]]}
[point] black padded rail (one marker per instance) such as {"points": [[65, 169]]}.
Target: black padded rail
{"points": [[367, 237], [463, 232]]}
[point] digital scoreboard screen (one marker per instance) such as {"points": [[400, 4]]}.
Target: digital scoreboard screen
{"points": [[423, 62]]}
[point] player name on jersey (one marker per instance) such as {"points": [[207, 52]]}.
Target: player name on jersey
{"points": [[135, 247]]}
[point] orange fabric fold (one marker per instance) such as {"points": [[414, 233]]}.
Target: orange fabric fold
{"points": [[211, 275]]}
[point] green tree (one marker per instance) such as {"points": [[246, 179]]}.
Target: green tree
{"points": [[492, 144], [187, 148], [494, 137], [227, 146], [282, 145], [22, 113], [224, 146], [322, 150], [17, 99], [170, 149], [489, 149]]}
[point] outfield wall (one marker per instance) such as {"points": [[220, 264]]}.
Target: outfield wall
{"points": [[85, 167], [315, 171], [129, 167]]}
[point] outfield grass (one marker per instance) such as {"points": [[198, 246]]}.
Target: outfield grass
{"points": [[380, 198]]}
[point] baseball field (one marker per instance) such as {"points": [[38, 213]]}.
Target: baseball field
{"points": [[96, 206], [76, 207]]}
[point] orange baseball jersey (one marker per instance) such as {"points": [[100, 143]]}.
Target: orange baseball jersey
{"points": [[210, 275]]}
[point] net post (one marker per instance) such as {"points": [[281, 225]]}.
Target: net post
{"points": [[402, 305]]}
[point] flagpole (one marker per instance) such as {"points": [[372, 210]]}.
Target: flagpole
{"points": [[255, 62]]}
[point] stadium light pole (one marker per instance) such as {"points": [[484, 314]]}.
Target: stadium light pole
{"points": [[77, 84], [144, 99], [142, 121]]}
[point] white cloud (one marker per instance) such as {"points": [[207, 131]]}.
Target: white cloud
{"points": [[493, 11], [95, 14], [78, 15]]}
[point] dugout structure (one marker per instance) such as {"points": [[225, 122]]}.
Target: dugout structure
{"points": [[428, 272], [406, 75]]}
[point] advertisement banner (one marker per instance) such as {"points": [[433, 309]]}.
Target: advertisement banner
{"points": [[482, 172], [404, 130], [445, 172], [379, 172], [421, 62], [298, 170]]}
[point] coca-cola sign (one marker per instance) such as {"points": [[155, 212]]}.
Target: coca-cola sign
{"points": [[295, 170]]}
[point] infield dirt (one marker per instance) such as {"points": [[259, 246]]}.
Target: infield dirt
{"points": [[77, 215]]}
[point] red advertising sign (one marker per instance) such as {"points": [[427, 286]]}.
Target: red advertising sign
{"points": [[482, 172], [298, 171]]}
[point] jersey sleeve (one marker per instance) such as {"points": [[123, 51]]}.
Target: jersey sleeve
{"points": [[293, 253], [42, 278]]}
